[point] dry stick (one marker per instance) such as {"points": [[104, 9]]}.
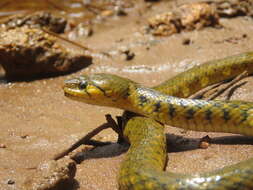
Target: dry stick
{"points": [[230, 92], [201, 93], [86, 138], [65, 39], [228, 85], [87, 50], [221, 87]]}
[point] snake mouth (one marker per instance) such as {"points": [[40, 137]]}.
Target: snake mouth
{"points": [[73, 95], [76, 94], [67, 94]]}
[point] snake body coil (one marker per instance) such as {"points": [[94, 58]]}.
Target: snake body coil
{"points": [[145, 160]]}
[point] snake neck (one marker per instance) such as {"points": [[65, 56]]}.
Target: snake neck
{"points": [[149, 103], [192, 114]]}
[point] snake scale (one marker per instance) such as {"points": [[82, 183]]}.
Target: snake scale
{"points": [[145, 161]]}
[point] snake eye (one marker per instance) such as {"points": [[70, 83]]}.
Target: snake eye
{"points": [[83, 85]]}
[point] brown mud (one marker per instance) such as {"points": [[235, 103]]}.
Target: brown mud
{"points": [[37, 121]]}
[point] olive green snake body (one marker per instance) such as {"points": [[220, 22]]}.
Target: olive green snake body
{"points": [[144, 164]]}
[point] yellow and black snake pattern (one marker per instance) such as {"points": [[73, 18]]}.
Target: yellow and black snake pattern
{"points": [[145, 161]]}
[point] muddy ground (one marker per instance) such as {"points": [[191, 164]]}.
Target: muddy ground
{"points": [[37, 121]]}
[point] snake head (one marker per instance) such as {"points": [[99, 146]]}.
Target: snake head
{"points": [[99, 89]]}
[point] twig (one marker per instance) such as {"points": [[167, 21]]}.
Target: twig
{"points": [[226, 86], [86, 138], [229, 93], [65, 39], [200, 94], [215, 90]]}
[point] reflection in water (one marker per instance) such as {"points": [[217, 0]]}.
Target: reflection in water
{"points": [[71, 8]]}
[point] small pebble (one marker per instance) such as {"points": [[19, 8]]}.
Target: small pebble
{"points": [[120, 11], [244, 35], [24, 136], [2, 146], [128, 54], [186, 41], [204, 145], [107, 13], [10, 181], [119, 40]]}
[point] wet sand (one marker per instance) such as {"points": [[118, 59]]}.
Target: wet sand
{"points": [[37, 121]]}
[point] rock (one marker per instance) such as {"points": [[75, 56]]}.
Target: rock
{"points": [[165, 24], [127, 53], [107, 13], [10, 182], [187, 17], [3, 146], [81, 30], [198, 15], [120, 11], [30, 52], [52, 175], [186, 41], [50, 21], [232, 8]]}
